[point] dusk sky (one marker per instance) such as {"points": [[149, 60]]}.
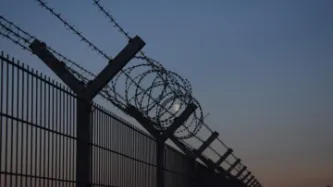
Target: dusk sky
{"points": [[263, 69]]}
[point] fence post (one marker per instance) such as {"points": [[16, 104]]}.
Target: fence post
{"points": [[161, 137], [85, 94], [84, 138]]}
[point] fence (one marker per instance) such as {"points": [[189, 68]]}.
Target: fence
{"points": [[38, 139]]}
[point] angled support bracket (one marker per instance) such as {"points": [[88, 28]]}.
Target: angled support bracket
{"points": [[241, 172], [179, 121], [182, 147], [209, 163], [204, 146], [224, 157], [233, 165], [250, 180], [256, 184], [59, 68], [146, 123], [253, 183], [246, 176], [113, 67]]}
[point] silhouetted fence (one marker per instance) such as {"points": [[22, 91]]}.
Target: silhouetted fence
{"points": [[38, 139]]}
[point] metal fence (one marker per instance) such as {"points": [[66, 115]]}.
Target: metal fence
{"points": [[38, 139]]}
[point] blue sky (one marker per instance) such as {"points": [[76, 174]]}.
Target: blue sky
{"points": [[262, 69]]}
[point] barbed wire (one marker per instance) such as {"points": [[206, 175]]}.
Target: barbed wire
{"points": [[27, 37], [127, 36], [157, 68], [159, 116]]}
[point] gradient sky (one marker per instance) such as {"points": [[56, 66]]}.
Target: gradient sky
{"points": [[263, 69]]}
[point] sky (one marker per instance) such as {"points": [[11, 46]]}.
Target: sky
{"points": [[262, 69]]}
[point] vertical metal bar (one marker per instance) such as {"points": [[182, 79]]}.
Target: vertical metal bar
{"points": [[113, 165], [37, 100], [70, 129], [44, 109], [66, 131], [57, 117], [104, 151], [83, 158], [105, 166], [108, 166], [60, 165], [53, 122], [148, 157], [122, 158], [63, 138], [74, 145], [31, 128], [100, 142], [134, 139], [97, 142], [160, 163], [1, 112], [6, 122], [68, 124], [70, 148], [24, 147], [18, 124], [49, 134], [27, 127], [12, 124], [40, 114]]}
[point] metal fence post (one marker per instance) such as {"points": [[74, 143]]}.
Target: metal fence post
{"points": [[85, 94], [83, 148]]}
